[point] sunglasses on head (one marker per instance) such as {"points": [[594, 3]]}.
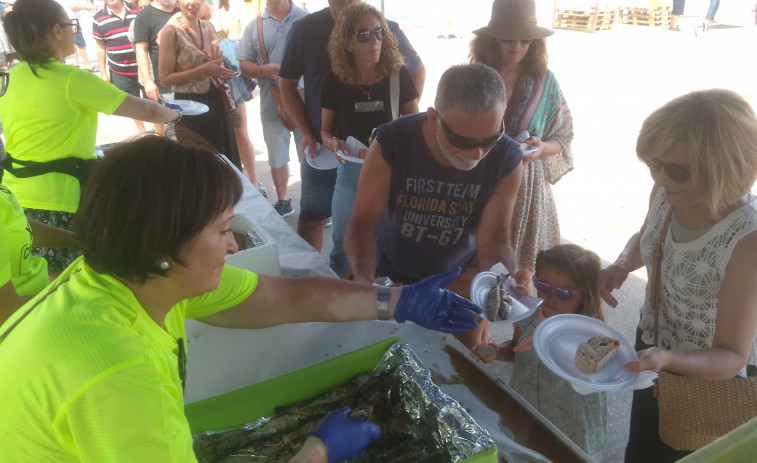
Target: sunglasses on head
{"points": [[465, 143], [522, 42], [561, 292], [675, 172], [364, 35]]}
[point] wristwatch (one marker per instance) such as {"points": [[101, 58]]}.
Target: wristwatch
{"points": [[382, 303]]}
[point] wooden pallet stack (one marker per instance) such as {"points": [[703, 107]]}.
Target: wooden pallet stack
{"points": [[655, 14], [584, 20]]}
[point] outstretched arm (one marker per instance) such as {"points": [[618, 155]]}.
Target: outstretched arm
{"points": [[614, 275], [280, 300], [47, 236]]}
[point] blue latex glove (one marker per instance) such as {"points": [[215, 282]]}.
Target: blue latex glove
{"points": [[344, 438], [175, 107], [428, 305]]}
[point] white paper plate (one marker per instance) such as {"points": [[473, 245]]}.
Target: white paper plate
{"points": [[557, 338], [522, 306], [353, 150], [191, 108], [528, 149], [324, 160]]}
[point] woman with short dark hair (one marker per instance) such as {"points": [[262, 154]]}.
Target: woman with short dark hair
{"points": [[93, 368]]}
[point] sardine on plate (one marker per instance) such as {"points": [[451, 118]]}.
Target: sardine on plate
{"points": [[498, 301]]}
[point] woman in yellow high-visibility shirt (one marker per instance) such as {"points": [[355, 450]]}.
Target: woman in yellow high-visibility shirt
{"points": [[92, 369], [50, 112], [23, 275]]}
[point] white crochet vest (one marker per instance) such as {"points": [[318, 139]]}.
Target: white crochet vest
{"points": [[691, 276]]}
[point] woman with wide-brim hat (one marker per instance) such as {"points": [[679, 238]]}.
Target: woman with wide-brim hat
{"points": [[513, 44]]}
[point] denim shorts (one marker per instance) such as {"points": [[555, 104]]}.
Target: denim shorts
{"points": [[79, 39], [277, 138], [316, 191], [678, 6], [127, 84]]}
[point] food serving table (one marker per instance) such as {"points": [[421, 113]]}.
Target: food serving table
{"points": [[221, 360]]}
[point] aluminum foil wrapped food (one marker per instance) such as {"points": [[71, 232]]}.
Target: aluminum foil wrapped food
{"points": [[418, 421], [247, 240]]}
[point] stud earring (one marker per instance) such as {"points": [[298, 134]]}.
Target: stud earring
{"points": [[164, 265]]}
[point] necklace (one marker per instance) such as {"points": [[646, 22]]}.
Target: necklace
{"points": [[368, 93]]}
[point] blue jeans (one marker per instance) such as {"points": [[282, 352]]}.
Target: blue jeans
{"points": [[345, 192], [79, 41], [714, 5]]}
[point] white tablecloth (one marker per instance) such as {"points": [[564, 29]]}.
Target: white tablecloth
{"points": [[296, 256]]}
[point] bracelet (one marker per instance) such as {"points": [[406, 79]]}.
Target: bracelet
{"points": [[382, 303], [177, 119]]}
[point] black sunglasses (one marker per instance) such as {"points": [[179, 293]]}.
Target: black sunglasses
{"points": [[74, 25], [561, 292], [465, 143], [678, 174], [364, 35], [522, 42]]}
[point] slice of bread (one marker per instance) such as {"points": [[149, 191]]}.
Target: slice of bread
{"points": [[596, 353], [486, 352]]}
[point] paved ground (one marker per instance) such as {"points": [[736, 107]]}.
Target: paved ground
{"points": [[612, 81]]}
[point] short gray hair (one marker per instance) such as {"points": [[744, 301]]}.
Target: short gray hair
{"points": [[472, 88]]}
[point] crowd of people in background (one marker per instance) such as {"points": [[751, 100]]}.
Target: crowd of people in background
{"points": [[455, 189]]}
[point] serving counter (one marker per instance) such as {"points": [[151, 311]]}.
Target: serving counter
{"points": [[221, 360]]}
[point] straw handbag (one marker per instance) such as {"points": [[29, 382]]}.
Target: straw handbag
{"points": [[693, 411]]}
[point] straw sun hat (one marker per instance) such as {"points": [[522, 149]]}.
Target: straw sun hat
{"points": [[514, 20]]}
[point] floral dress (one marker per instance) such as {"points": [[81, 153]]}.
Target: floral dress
{"points": [[539, 106]]}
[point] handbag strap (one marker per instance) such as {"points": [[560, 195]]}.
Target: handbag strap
{"points": [[394, 93], [262, 44], [260, 38], [656, 266]]}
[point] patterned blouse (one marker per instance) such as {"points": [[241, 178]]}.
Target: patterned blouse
{"points": [[189, 52], [691, 276]]}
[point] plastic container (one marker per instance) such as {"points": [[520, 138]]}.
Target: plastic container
{"points": [[259, 259], [235, 408]]}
